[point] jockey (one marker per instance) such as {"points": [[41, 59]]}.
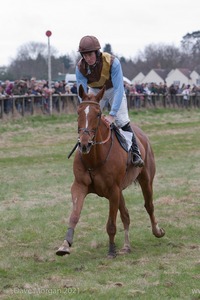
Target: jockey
{"points": [[96, 69]]}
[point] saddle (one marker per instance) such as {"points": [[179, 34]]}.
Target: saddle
{"points": [[121, 139]]}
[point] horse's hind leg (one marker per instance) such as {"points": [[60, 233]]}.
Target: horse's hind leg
{"points": [[147, 190], [124, 214]]}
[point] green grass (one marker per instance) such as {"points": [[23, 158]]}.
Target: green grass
{"points": [[35, 203]]}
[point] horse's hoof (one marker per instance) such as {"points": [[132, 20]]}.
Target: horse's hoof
{"points": [[160, 234], [64, 249], [112, 251], [111, 255], [125, 250]]}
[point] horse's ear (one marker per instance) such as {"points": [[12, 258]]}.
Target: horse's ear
{"points": [[81, 91], [100, 94]]}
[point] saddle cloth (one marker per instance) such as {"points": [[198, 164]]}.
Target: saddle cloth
{"points": [[124, 137]]}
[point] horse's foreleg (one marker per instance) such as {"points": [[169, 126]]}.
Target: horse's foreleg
{"points": [[124, 214], [77, 200], [147, 191], [111, 224]]}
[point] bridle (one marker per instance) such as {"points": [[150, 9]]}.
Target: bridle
{"points": [[92, 132], [93, 141], [82, 131]]}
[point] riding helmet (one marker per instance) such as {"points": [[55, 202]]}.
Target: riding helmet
{"points": [[89, 43]]}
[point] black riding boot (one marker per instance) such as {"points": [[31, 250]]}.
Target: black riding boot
{"points": [[136, 159]]}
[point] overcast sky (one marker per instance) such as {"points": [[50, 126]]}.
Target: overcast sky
{"points": [[127, 25]]}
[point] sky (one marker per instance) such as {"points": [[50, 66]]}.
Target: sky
{"points": [[127, 25]]}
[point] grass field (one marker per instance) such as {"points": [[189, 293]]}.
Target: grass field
{"points": [[35, 203]]}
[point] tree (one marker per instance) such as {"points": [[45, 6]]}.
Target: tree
{"points": [[191, 42], [108, 48], [32, 50], [32, 60], [67, 62], [160, 56], [191, 50], [29, 68]]}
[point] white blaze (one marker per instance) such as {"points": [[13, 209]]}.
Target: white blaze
{"points": [[86, 115]]}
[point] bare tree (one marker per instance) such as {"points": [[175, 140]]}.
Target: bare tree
{"points": [[191, 42], [31, 59], [33, 49], [191, 50], [160, 56]]}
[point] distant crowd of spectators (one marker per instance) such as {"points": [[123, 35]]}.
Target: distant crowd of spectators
{"points": [[41, 89], [160, 89], [34, 87], [139, 91]]}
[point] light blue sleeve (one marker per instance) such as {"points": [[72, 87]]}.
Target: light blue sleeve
{"points": [[118, 85], [81, 80]]}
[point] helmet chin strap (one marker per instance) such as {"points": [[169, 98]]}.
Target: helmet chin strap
{"points": [[89, 67]]}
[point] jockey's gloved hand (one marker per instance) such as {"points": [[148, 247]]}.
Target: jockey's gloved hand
{"points": [[110, 119]]}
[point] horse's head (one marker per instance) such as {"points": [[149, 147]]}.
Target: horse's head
{"points": [[89, 115]]}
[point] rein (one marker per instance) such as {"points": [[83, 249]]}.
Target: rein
{"points": [[100, 163], [109, 133]]}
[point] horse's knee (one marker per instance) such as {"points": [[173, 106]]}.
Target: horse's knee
{"points": [[111, 229]]}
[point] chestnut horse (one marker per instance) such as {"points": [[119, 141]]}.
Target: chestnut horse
{"points": [[103, 167]]}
